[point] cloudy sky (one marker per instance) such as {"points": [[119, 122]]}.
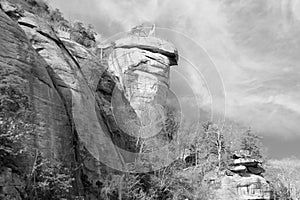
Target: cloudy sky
{"points": [[241, 55]]}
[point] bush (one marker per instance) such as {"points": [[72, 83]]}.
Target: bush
{"points": [[15, 117], [38, 7], [170, 183], [82, 35], [49, 180]]}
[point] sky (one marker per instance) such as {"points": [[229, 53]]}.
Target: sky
{"points": [[239, 59]]}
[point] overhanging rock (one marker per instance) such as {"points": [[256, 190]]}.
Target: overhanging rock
{"points": [[142, 65]]}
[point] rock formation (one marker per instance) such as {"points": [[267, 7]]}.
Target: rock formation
{"points": [[243, 179], [72, 91], [142, 65], [17, 53]]}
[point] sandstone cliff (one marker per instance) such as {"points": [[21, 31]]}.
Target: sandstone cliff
{"points": [[72, 93], [97, 114]]}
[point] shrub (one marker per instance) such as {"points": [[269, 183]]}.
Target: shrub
{"points": [[15, 117], [82, 35], [49, 180]]}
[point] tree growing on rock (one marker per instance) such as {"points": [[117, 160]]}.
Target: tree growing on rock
{"points": [[209, 147], [15, 117], [49, 180], [252, 142], [83, 35], [56, 16]]}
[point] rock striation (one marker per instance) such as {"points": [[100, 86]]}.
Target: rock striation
{"points": [[17, 54], [243, 180], [142, 66], [72, 92], [59, 73], [243, 163]]}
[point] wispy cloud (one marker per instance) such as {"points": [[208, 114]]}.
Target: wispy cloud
{"points": [[254, 45]]}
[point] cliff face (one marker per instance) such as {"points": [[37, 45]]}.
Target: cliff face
{"points": [[142, 65], [17, 53], [73, 95]]}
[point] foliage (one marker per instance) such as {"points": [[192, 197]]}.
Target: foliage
{"points": [[170, 183], [56, 16], [78, 32], [280, 191], [253, 144], [284, 176], [83, 35], [207, 147], [215, 144], [171, 124], [38, 7], [49, 180], [15, 116]]}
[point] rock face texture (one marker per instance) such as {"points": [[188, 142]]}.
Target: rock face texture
{"points": [[142, 65], [17, 53], [72, 91], [11, 185], [243, 180]]}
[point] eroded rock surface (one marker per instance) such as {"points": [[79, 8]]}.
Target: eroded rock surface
{"points": [[75, 72], [73, 93], [53, 137], [142, 65], [243, 180], [60, 74], [17, 53]]}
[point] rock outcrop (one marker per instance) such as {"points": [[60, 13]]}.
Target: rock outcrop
{"points": [[75, 73], [243, 180], [142, 66], [53, 133], [16, 52], [76, 96]]}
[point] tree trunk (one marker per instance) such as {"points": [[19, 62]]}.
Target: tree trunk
{"points": [[219, 142]]}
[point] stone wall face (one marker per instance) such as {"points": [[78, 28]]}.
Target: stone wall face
{"points": [[17, 53], [73, 94], [59, 72], [75, 73], [142, 65], [53, 137]]}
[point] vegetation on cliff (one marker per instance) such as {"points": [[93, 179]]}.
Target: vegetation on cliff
{"points": [[78, 31], [205, 148], [15, 117]]}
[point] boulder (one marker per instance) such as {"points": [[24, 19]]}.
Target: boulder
{"points": [[238, 169], [245, 162], [248, 186], [256, 170]]}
